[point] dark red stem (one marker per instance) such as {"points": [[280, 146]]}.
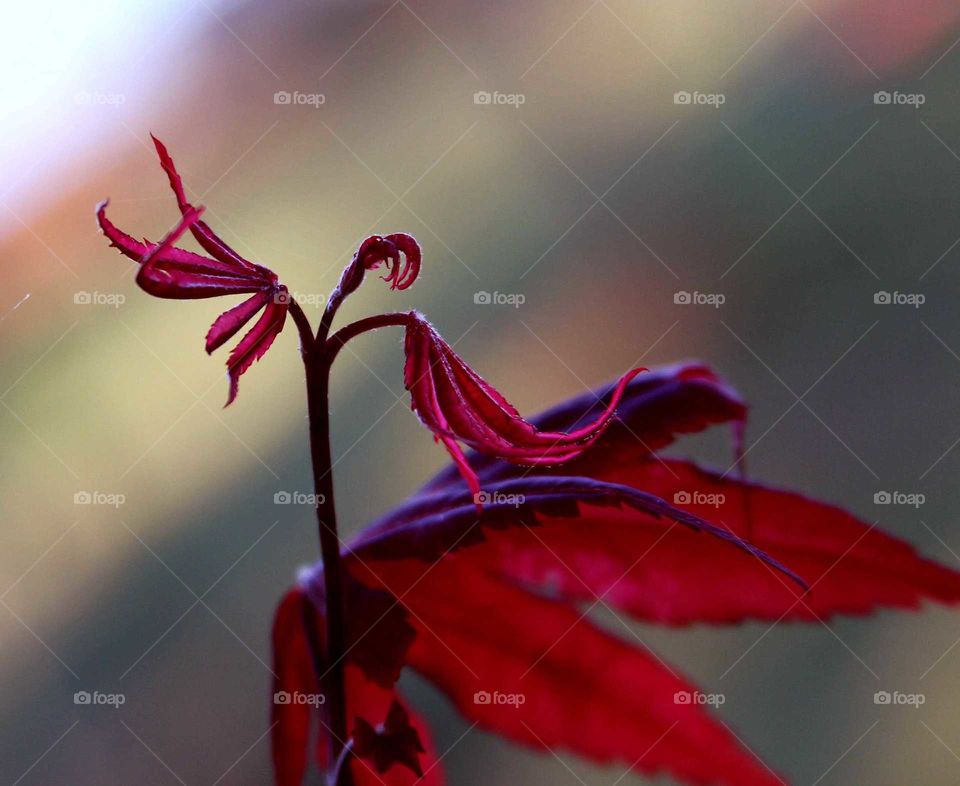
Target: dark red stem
{"points": [[303, 327], [318, 407], [318, 356], [335, 343]]}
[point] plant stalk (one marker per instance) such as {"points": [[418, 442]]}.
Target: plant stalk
{"points": [[318, 353], [318, 400]]}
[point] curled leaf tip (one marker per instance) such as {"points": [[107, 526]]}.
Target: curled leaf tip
{"points": [[401, 254]]}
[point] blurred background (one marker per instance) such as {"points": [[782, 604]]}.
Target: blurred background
{"points": [[779, 165]]}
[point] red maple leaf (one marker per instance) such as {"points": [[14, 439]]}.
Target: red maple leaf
{"points": [[495, 599]]}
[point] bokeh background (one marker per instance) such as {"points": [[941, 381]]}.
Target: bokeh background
{"points": [[597, 199]]}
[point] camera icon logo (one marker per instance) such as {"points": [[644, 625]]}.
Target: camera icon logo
{"points": [[682, 498], [282, 697], [83, 498], [482, 697], [82, 298], [282, 97], [882, 697], [481, 498], [682, 298], [482, 98], [682, 697], [282, 498], [482, 298], [882, 498], [682, 97], [882, 298], [282, 297], [82, 697], [882, 97]]}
